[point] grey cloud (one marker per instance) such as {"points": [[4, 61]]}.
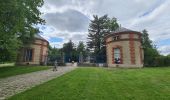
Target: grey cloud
{"points": [[61, 3], [58, 3], [122, 9], [165, 50], [69, 20], [79, 37]]}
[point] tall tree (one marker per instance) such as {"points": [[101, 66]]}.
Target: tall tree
{"points": [[68, 47], [69, 50], [150, 51], [146, 42], [54, 54], [81, 48], [96, 33], [17, 24], [111, 25], [81, 51], [98, 28]]}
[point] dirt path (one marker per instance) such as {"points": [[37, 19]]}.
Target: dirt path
{"points": [[15, 84]]}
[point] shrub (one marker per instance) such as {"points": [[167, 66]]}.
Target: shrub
{"points": [[162, 61]]}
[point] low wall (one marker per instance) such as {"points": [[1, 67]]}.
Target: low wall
{"points": [[93, 64], [71, 64], [125, 65]]}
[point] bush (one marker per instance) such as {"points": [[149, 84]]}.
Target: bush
{"points": [[162, 61]]}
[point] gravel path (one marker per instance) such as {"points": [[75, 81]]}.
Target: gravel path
{"points": [[15, 84]]}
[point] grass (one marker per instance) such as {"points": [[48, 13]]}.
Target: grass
{"points": [[104, 84], [16, 70]]}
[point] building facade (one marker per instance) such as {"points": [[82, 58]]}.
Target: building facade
{"points": [[35, 53], [124, 48]]}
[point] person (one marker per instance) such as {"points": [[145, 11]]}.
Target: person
{"points": [[72, 63], [55, 66]]}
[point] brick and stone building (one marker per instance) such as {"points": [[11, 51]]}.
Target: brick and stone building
{"points": [[124, 48], [35, 53]]}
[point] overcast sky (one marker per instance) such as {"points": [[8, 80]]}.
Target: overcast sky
{"points": [[69, 19]]}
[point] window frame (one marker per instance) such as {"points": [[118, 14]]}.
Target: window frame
{"points": [[116, 37], [28, 55], [113, 54]]}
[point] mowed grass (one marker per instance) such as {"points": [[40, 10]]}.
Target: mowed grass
{"points": [[104, 84], [16, 70]]}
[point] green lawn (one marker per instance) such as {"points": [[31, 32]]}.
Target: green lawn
{"points": [[104, 84], [16, 70]]}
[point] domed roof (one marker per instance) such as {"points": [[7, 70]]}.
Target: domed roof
{"points": [[37, 36], [121, 30]]}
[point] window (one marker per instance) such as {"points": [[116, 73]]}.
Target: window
{"points": [[117, 56], [116, 37], [28, 55]]}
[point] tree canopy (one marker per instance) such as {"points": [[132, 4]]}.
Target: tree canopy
{"points": [[81, 48], [69, 50], [17, 25], [150, 51], [98, 29]]}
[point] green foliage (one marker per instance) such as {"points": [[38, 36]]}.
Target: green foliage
{"points": [[168, 55], [103, 84], [70, 52], [162, 61], [8, 51], [111, 25], [98, 28], [54, 54], [96, 33], [150, 52], [69, 47], [146, 42], [149, 56], [17, 25], [81, 49]]}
